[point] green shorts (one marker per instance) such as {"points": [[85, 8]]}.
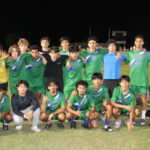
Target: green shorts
{"points": [[36, 90], [83, 115], [141, 90]]}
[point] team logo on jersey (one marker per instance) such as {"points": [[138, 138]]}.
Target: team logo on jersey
{"points": [[90, 58], [18, 64], [2, 103], [99, 93]]}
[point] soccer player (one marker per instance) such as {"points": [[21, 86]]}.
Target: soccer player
{"points": [[45, 42], [123, 100], [34, 72], [53, 105], [3, 70], [101, 100], [74, 71], [112, 67], [80, 106], [23, 45], [14, 63], [64, 42], [54, 66], [139, 60], [25, 106], [5, 115]]}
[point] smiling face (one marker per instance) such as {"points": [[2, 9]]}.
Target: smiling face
{"points": [[23, 48], [124, 85], [22, 89], [35, 53], [14, 53], [112, 47], [65, 45], [52, 88], [97, 82]]}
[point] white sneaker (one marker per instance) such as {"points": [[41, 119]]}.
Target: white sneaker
{"points": [[35, 129], [18, 128], [117, 124]]}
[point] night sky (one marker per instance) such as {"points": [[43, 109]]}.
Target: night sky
{"points": [[56, 19]]}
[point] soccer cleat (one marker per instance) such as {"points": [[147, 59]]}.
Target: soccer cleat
{"points": [[86, 125], [35, 129], [108, 129], [5, 127], [73, 125], [18, 128], [142, 122], [117, 124], [47, 126], [60, 125]]}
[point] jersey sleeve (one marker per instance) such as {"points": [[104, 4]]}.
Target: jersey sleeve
{"points": [[114, 96], [26, 55], [127, 59], [63, 103], [91, 102], [71, 99], [123, 56], [7, 104], [104, 51]]}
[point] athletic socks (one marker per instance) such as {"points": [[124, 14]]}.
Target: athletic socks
{"points": [[107, 122], [143, 114], [86, 121]]}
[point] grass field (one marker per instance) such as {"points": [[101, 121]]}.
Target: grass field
{"points": [[79, 139]]}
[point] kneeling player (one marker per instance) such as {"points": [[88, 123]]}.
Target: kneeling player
{"points": [[5, 115], [100, 93], [123, 100], [53, 105], [79, 105]]}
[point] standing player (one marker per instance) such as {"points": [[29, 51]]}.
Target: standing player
{"points": [[123, 100], [112, 67], [23, 45], [80, 106], [74, 71], [53, 105], [139, 67], [5, 115]]}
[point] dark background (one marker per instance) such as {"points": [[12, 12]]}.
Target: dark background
{"points": [[33, 20]]}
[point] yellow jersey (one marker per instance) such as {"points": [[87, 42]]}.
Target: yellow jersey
{"points": [[3, 70]]}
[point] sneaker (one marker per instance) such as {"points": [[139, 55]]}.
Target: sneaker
{"points": [[60, 125], [117, 124], [86, 125], [73, 125], [108, 129], [134, 121], [18, 128], [35, 129], [142, 122], [5, 127], [47, 126]]}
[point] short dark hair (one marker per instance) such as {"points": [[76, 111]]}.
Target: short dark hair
{"points": [[82, 82], [97, 76], [34, 47], [54, 48], [124, 77], [74, 48], [1, 47], [111, 41], [64, 38], [51, 80], [139, 36], [92, 38], [24, 82]]}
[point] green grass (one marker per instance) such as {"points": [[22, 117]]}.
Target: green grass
{"points": [[79, 139]]}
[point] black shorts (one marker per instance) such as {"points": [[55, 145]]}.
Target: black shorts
{"points": [[111, 84], [4, 86]]}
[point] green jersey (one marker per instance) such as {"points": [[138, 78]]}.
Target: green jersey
{"points": [[4, 103], [64, 52], [93, 63], [15, 69], [139, 67], [119, 98], [55, 102], [82, 103], [74, 74], [98, 96], [34, 73]]}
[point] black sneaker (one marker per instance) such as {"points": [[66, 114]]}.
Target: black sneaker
{"points": [[134, 121], [86, 125], [108, 129], [73, 125], [142, 122], [60, 125], [5, 127], [47, 126]]}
